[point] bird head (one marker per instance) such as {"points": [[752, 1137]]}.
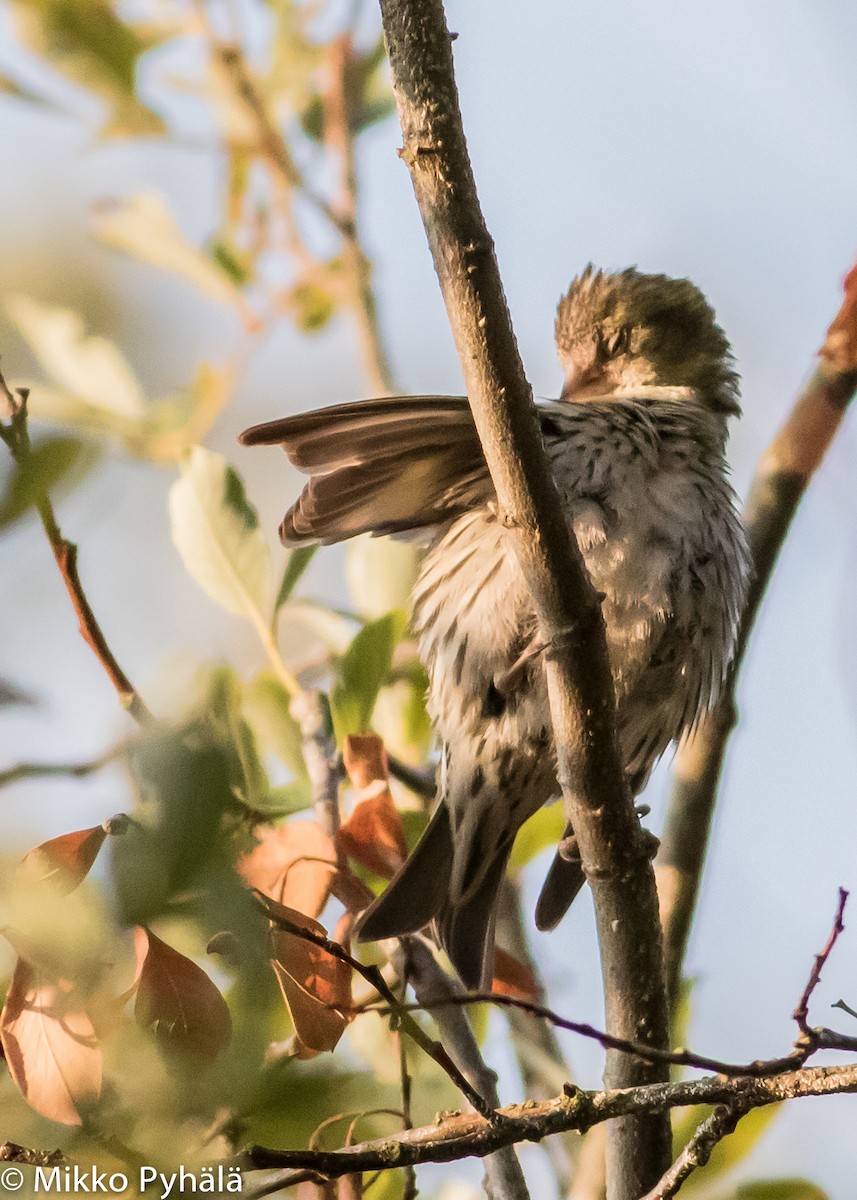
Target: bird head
{"points": [[629, 330]]}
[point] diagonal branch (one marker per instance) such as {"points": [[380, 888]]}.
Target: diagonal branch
{"points": [[16, 437], [781, 480], [698, 1150], [614, 853]]}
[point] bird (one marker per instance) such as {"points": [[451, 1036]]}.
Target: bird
{"points": [[636, 443]]}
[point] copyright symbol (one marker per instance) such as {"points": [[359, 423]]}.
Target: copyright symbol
{"points": [[11, 1179]]}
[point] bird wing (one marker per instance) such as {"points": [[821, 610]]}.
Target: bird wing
{"points": [[382, 466]]}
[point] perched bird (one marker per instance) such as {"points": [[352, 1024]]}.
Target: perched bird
{"points": [[636, 443]]}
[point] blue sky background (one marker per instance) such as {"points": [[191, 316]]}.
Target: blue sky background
{"points": [[711, 141]]}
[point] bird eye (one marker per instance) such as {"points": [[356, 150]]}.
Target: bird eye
{"points": [[618, 342]]}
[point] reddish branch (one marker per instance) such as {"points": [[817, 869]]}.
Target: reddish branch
{"points": [[783, 475], [16, 437]]}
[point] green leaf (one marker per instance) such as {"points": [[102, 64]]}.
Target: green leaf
{"points": [[362, 671], [224, 711], [232, 262], [185, 780], [287, 800], [780, 1189], [728, 1153], [265, 703], [90, 367], [380, 573], [333, 629], [48, 463], [545, 828], [313, 306], [216, 532], [89, 44], [296, 564], [144, 227]]}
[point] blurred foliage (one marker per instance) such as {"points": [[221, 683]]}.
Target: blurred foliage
{"points": [[144, 961]]}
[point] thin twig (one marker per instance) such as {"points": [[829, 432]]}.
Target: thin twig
{"points": [[341, 216], [782, 477], [405, 1082], [11, 1152], [614, 853], [16, 437], [801, 1013], [72, 770], [811, 1040], [339, 138], [311, 710], [698, 1150], [399, 1014]]}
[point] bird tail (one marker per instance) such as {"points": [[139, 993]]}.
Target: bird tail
{"points": [[421, 894], [562, 883]]}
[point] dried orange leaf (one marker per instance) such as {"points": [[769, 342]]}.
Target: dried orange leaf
{"points": [[351, 891], [65, 861], [514, 978], [373, 835], [50, 1046], [177, 1001], [316, 986], [294, 865], [365, 759]]}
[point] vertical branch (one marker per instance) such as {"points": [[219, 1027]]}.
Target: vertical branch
{"points": [[614, 852], [504, 1179], [339, 136], [784, 473]]}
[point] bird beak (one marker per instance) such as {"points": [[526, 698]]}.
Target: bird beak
{"points": [[591, 381]]}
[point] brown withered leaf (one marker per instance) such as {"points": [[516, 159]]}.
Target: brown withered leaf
{"points": [[350, 1187], [840, 345], [177, 1001], [316, 986], [65, 861], [294, 865], [373, 835], [50, 1046], [513, 978]]}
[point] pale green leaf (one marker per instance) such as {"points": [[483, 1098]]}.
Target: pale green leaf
{"points": [[92, 368], [380, 573], [331, 628], [265, 704], [164, 432], [48, 463], [224, 712], [297, 562], [780, 1189], [216, 531], [144, 227], [400, 717], [362, 671], [544, 829], [88, 43]]}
